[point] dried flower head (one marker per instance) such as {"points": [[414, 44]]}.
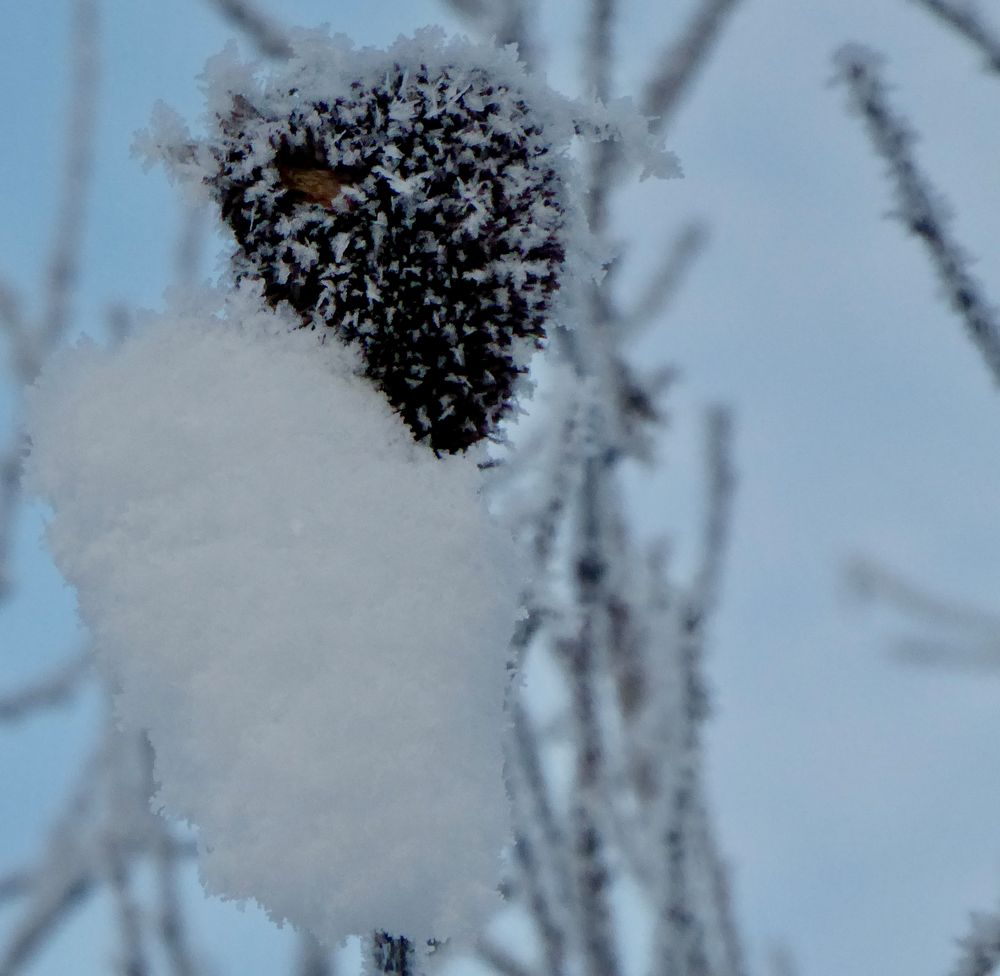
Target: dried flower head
{"points": [[418, 215]]}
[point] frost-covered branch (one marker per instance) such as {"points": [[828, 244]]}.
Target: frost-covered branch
{"points": [[920, 207], [270, 39], [539, 842], [966, 18]]}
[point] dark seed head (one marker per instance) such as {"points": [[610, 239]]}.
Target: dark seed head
{"points": [[419, 217]]}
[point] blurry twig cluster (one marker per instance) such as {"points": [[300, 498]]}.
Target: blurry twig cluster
{"points": [[628, 645]]}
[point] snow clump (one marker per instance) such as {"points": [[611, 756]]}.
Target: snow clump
{"points": [[306, 609]]}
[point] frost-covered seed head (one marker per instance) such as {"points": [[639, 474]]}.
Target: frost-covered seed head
{"points": [[419, 217]]}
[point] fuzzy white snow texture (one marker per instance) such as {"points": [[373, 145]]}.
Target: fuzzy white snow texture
{"points": [[308, 612]]}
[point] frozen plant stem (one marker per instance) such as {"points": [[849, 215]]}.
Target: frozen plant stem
{"points": [[392, 954], [920, 207]]}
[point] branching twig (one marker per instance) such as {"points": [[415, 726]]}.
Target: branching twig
{"points": [[920, 207]]}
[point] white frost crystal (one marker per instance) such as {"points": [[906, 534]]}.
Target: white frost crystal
{"points": [[307, 611]]}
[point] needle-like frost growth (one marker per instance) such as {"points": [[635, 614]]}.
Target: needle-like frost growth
{"points": [[308, 611], [411, 201]]}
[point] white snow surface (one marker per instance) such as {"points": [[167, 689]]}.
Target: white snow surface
{"points": [[307, 611]]}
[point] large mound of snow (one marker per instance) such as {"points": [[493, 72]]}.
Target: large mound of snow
{"points": [[308, 612]]}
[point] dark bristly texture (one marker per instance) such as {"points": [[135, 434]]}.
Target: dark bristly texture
{"points": [[420, 219]]}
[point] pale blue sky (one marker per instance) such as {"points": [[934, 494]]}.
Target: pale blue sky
{"points": [[857, 800]]}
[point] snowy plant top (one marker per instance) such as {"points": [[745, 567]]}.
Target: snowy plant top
{"points": [[413, 201]]}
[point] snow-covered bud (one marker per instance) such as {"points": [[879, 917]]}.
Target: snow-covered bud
{"points": [[418, 214]]}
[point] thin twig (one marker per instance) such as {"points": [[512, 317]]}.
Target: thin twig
{"points": [[14, 885], [67, 246], [10, 493], [171, 928], [872, 581], [925, 652], [980, 949], [581, 654], [13, 325], [49, 692], [133, 961], [507, 21], [725, 929], [661, 288], [167, 853], [720, 483], [37, 927], [270, 39], [597, 48], [967, 20], [681, 63], [920, 207], [545, 860]]}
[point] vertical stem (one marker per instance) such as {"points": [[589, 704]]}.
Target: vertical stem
{"points": [[314, 959], [392, 954]]}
